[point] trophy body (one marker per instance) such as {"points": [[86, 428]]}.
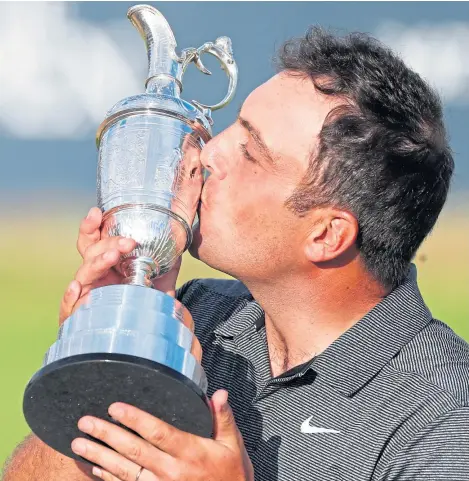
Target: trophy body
{"points": [[130, 342]]}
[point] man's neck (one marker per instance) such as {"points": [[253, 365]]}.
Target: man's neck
{"points": [[303, 316]]}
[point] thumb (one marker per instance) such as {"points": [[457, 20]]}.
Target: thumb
{"points": [[71, 296], [167, 282], [225, 429]]}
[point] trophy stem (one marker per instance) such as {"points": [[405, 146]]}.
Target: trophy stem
{"points": [[138, 272]]}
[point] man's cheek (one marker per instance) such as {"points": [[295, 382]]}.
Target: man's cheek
{"points": [[249, 217]]}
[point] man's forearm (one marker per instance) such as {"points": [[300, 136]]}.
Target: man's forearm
{"points": [[33, 460]]}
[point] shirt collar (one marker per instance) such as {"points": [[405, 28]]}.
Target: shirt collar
{"points": [[363, 350]]}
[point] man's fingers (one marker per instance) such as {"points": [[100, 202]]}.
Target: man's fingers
{"points": [[89, 232], [87, 277], [113, 462], [104, 475], [162, 435], [134, 448], [70, 298], [90, 244], [91, 271], [123, 244]]}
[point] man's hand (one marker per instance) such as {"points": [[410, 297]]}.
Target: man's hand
{"points": [[165, 453], [100, 255]]}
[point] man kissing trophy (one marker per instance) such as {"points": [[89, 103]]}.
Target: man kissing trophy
{"points": [[130, 342]]}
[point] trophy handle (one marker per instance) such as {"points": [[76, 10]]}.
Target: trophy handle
{"points": [[221, 49]]}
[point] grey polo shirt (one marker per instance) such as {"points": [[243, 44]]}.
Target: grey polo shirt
{"points": [[388, 400]]}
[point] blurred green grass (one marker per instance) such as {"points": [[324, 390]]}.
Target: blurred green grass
{"points": [[38, 259]]}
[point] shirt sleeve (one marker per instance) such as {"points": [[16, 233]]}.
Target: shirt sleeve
{"points": [[440, 452]]}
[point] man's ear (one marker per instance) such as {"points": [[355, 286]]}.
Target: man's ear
{"points": [[330, 237]]}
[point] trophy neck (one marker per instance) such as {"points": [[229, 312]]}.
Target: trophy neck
{"points": [[138, 271], [163, 84], [164, 66]]}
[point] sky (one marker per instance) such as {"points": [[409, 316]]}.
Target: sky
{"points": [[63, 65]]}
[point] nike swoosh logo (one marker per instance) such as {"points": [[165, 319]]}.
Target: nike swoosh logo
{"points": [[308, 429]]}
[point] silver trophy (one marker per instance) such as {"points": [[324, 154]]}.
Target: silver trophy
{"points": [[130, 342]]}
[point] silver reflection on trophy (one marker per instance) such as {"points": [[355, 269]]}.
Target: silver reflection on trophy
{"points": [[149, 184], [149, 172]]}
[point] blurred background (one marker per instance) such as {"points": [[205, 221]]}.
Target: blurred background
{"points": [[62, 65]]}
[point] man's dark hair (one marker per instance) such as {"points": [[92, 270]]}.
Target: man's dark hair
{"points": [[382, 154]]}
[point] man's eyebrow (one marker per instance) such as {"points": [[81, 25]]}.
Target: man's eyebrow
{"points": [[257, 137]]}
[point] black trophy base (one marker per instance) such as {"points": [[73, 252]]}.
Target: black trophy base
{"points": [[62, 392]]}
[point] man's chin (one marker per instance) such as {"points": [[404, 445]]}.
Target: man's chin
{"points": [[199, 249], [194, 251]]}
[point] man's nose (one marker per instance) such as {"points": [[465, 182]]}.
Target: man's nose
{"points": [[212, 159]]}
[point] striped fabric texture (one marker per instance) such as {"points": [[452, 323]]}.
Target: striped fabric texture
{"points": [[388, 400]]}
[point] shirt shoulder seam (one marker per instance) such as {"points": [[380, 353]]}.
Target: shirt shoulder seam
{"points": [[420, 376]]}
